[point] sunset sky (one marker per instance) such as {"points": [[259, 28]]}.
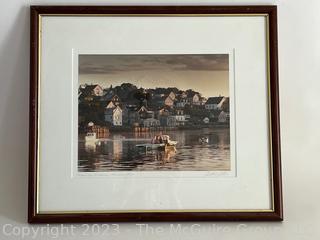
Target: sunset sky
{"points": [[206, 73]]}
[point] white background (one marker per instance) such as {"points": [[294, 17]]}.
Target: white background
{"points": [[299, 55]]}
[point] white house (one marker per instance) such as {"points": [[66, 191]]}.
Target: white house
{"points": [[172, 95], [195, 99], [214, 103], [113, 116], [222, 117], [168, 101], [97, 90], [176, 120]]}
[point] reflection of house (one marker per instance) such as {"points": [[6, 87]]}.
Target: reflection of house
{"points": [[113, 116], [151, 122], [214, 103], [115, 148]]}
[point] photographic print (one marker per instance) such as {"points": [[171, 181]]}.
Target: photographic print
{"points": [[153, 113]]}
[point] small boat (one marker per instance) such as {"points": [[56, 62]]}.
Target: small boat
{"points": [[204, 140], [150, 146], [166, 139], [159, 142]]}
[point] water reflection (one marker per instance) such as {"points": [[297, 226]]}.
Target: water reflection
{"points": [[119, 152]]}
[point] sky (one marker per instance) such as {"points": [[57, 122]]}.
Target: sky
{"points": [[205, 73]]}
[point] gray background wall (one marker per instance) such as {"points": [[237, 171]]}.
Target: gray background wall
{"points": [[299, 56]]}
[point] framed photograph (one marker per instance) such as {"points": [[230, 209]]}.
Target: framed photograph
{"points": [[154, 113]]}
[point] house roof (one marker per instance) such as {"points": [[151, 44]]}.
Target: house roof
{"points": [[111, 110], [87, 90], [214, 100], [108, 102], [110, 95]]}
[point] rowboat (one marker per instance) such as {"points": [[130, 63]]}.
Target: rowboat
{"points": [[159, 142], [150, 146]]}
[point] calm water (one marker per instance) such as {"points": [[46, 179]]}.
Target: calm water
{"points": [[119, 152]]}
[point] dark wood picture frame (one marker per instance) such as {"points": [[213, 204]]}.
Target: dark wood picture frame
{"points": [[34, 217]]}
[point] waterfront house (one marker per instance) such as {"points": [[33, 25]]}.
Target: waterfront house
{"points": [[130, 115], [88, 92], [110, 96], [172, 95], [181, 102], [183, 94], [160, 101], [225, 105], [203, 101], [176, 120], [151, 122], [179, 111], [223, 117], [194, 98], [113, 116], [180, 120], [168, 101], [110, 104], [164, 111], [214, 103], [163, 120], [144, 113], [171, 121]]}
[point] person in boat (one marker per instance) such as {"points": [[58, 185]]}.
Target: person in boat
{"points": [[159, 140], [165, 140], [155, 140]]}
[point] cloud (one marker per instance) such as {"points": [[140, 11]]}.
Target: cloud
{"points": [[112, 64]]}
